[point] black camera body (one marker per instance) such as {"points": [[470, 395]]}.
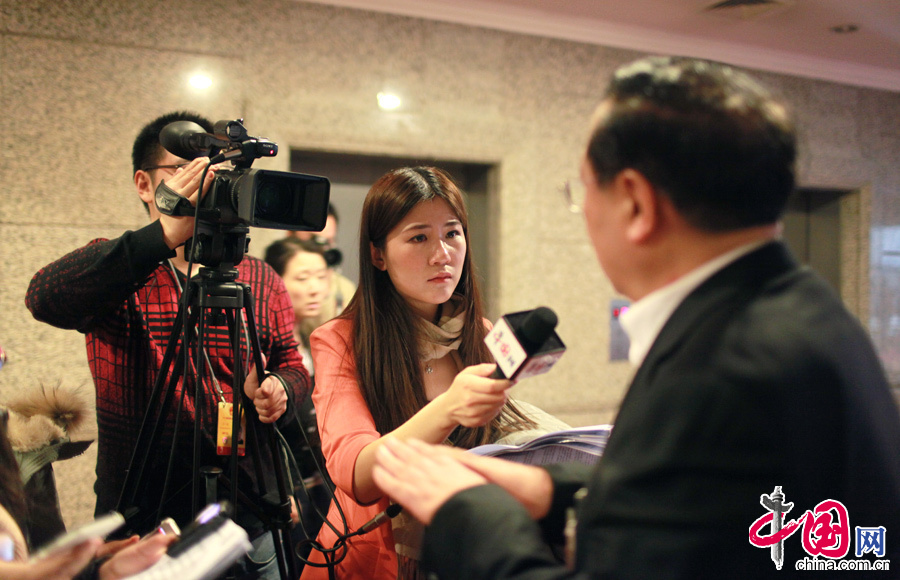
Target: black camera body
{"points": [[239, 197], [267, 199], [254, 197]]}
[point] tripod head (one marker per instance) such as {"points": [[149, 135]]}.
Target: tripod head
{"points": [[218, 245]]}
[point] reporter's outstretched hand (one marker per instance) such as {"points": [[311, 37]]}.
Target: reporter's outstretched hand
{"points": [[111, 547], [136, 557], [61, 565], [474, 399]]}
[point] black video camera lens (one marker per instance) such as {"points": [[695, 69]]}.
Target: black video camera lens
{"points": [[273, 200]]}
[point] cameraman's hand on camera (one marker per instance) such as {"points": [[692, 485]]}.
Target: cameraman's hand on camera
{"points": [[269, 398], [186, 183]]}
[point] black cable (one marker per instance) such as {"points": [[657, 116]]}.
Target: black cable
{"points": [[328, 554]]}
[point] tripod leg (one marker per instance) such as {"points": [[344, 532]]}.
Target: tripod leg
{"points": [[147, 436], [281, 527], [198, 405]]}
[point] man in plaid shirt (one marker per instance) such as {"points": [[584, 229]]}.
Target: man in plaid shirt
{"points": [[123, 295]]}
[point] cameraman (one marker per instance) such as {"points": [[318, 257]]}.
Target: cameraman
{"points": [[123, 294]]}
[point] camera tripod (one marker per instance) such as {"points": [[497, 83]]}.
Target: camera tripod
{"points": [[216, 296]]}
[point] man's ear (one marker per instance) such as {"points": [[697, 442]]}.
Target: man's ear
{"points": [[377, 257], [644, 205], [144, 186]]}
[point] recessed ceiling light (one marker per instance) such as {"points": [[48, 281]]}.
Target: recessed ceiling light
{"points": [[844, 28], [388, 101], [200, 81]]}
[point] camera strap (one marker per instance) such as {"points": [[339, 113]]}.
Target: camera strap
{"points": [[169, 202]]}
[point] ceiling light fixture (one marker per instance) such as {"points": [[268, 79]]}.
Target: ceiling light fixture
{"points": [[388, 101], [200, 82]]}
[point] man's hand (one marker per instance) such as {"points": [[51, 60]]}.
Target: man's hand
{"points": [[270, 398], [186, 183], [420, 479], [528, 484]]}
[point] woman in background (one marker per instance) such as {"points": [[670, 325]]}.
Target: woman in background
{"points": [[306, 274], [303, 266], [406, 358]]}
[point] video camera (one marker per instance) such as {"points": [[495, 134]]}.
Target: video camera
{"points": [[242, 196]]}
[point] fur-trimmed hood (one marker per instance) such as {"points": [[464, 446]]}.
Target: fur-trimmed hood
{"points": [[43, 423], [44, 415]]}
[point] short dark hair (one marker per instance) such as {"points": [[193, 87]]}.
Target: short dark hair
{"points": [[708, 136], [147, 150], [282, 251]]}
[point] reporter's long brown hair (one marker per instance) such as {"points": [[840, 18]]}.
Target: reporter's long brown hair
{"points": [[385, 345]]}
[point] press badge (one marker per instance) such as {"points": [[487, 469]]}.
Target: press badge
{"points": [[223, 433]]}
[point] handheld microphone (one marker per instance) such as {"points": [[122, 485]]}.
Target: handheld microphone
{"points": [[391, 512], [524, 344], [188, 140]]}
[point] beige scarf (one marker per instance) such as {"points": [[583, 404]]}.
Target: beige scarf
{"points": [[435, 341]]}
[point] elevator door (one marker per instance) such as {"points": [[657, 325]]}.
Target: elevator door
{"points": [[812, 230]]}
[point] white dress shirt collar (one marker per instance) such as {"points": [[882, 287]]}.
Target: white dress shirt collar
{"points": [[644, 319]]}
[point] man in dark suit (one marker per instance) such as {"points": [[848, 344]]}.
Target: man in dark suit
{"points": [[755, 388]]}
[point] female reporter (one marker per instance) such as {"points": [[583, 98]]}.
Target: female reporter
{"points": [[407, 358]]}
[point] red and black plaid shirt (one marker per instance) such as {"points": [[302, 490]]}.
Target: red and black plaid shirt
{"points": [[124, 297]]}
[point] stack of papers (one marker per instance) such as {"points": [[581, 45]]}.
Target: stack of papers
{"points": [[580, 444]]}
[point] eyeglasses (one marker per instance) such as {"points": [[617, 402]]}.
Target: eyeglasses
{"points": [[573, 191], [174, 168]]}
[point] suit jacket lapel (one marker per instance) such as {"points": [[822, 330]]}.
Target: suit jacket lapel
{"points": [[729, 288]]}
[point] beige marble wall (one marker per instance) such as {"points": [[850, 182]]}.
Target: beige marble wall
{"points": [[79, 78]]}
